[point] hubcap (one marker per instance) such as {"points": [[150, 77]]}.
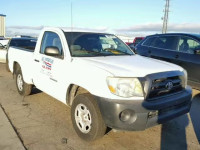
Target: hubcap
{"points": [[20, 82], [83, 118]]}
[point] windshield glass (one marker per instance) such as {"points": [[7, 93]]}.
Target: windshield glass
{"points": [[95, 44]]}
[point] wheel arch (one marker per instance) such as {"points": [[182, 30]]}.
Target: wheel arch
{"points": [[16, 65], [72, 91]]}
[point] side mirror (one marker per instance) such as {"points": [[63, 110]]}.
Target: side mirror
{"points": [[52, 51], [197, 51]]}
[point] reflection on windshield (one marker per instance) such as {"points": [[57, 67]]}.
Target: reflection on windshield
{"points": [[95, 44]]}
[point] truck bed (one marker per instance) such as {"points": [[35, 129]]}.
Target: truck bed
{"points": [[24, 58], [28, 49]]}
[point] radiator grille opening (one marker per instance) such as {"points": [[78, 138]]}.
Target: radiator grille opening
{"points": [[165, 86]]}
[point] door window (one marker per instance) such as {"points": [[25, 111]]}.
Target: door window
{"points": [[148, 41], [166, 42], [51, 39], [188, 45]]}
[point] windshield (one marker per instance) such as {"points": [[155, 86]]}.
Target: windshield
{"points": [[95, 44]]}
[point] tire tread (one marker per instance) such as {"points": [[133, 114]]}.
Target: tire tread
{"points": [[98, 126]]}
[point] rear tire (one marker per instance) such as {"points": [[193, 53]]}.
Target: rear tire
{"points": [[23, 88], [86, 118]]}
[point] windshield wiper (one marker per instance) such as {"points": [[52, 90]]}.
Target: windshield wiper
{"points": [[94, 52], [115, 50]]}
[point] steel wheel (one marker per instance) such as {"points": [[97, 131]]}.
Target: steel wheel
{"points": [[22, 87], [20, 82], [86, 117], [83, 118]]}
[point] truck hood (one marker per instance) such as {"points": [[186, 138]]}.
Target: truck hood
{"points": [[130, 66]]}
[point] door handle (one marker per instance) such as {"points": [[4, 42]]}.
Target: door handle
{"points": [[176, 56], [36, 60], [53, 80]]}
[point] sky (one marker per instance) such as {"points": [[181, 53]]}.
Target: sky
{"points": [[124, 17]]}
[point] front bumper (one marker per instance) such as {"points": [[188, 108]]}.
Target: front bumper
{"points": [[144, 113]]}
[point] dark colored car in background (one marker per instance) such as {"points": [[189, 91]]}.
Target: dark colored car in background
{"points": [[135, 42], [178, 48], [132, 46]]}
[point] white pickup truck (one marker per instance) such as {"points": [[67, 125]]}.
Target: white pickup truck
{"points": [[102, 80]]}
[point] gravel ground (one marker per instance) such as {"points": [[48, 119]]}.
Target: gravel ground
{"points": [[44, 123]]}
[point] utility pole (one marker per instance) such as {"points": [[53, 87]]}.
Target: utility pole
{"points": [[165, 19]]}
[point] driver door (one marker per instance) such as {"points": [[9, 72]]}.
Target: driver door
{"points": [[46, 66]]}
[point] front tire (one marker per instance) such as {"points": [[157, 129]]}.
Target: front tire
{"points": [[86, 118], [23, 88]]}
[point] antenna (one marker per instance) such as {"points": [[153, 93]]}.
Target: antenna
{"points": [[71, 15], [165, 19]]}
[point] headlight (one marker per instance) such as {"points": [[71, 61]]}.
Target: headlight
{"points": [[185, 78], [125, 87]]}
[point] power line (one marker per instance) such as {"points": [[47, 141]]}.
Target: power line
{"points": [[165, 19]]}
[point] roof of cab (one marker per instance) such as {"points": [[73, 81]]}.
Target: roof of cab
{"points": [[69, 29]]}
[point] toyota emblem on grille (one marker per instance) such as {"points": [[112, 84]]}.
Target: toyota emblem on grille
{"points": [[169, 85]]}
